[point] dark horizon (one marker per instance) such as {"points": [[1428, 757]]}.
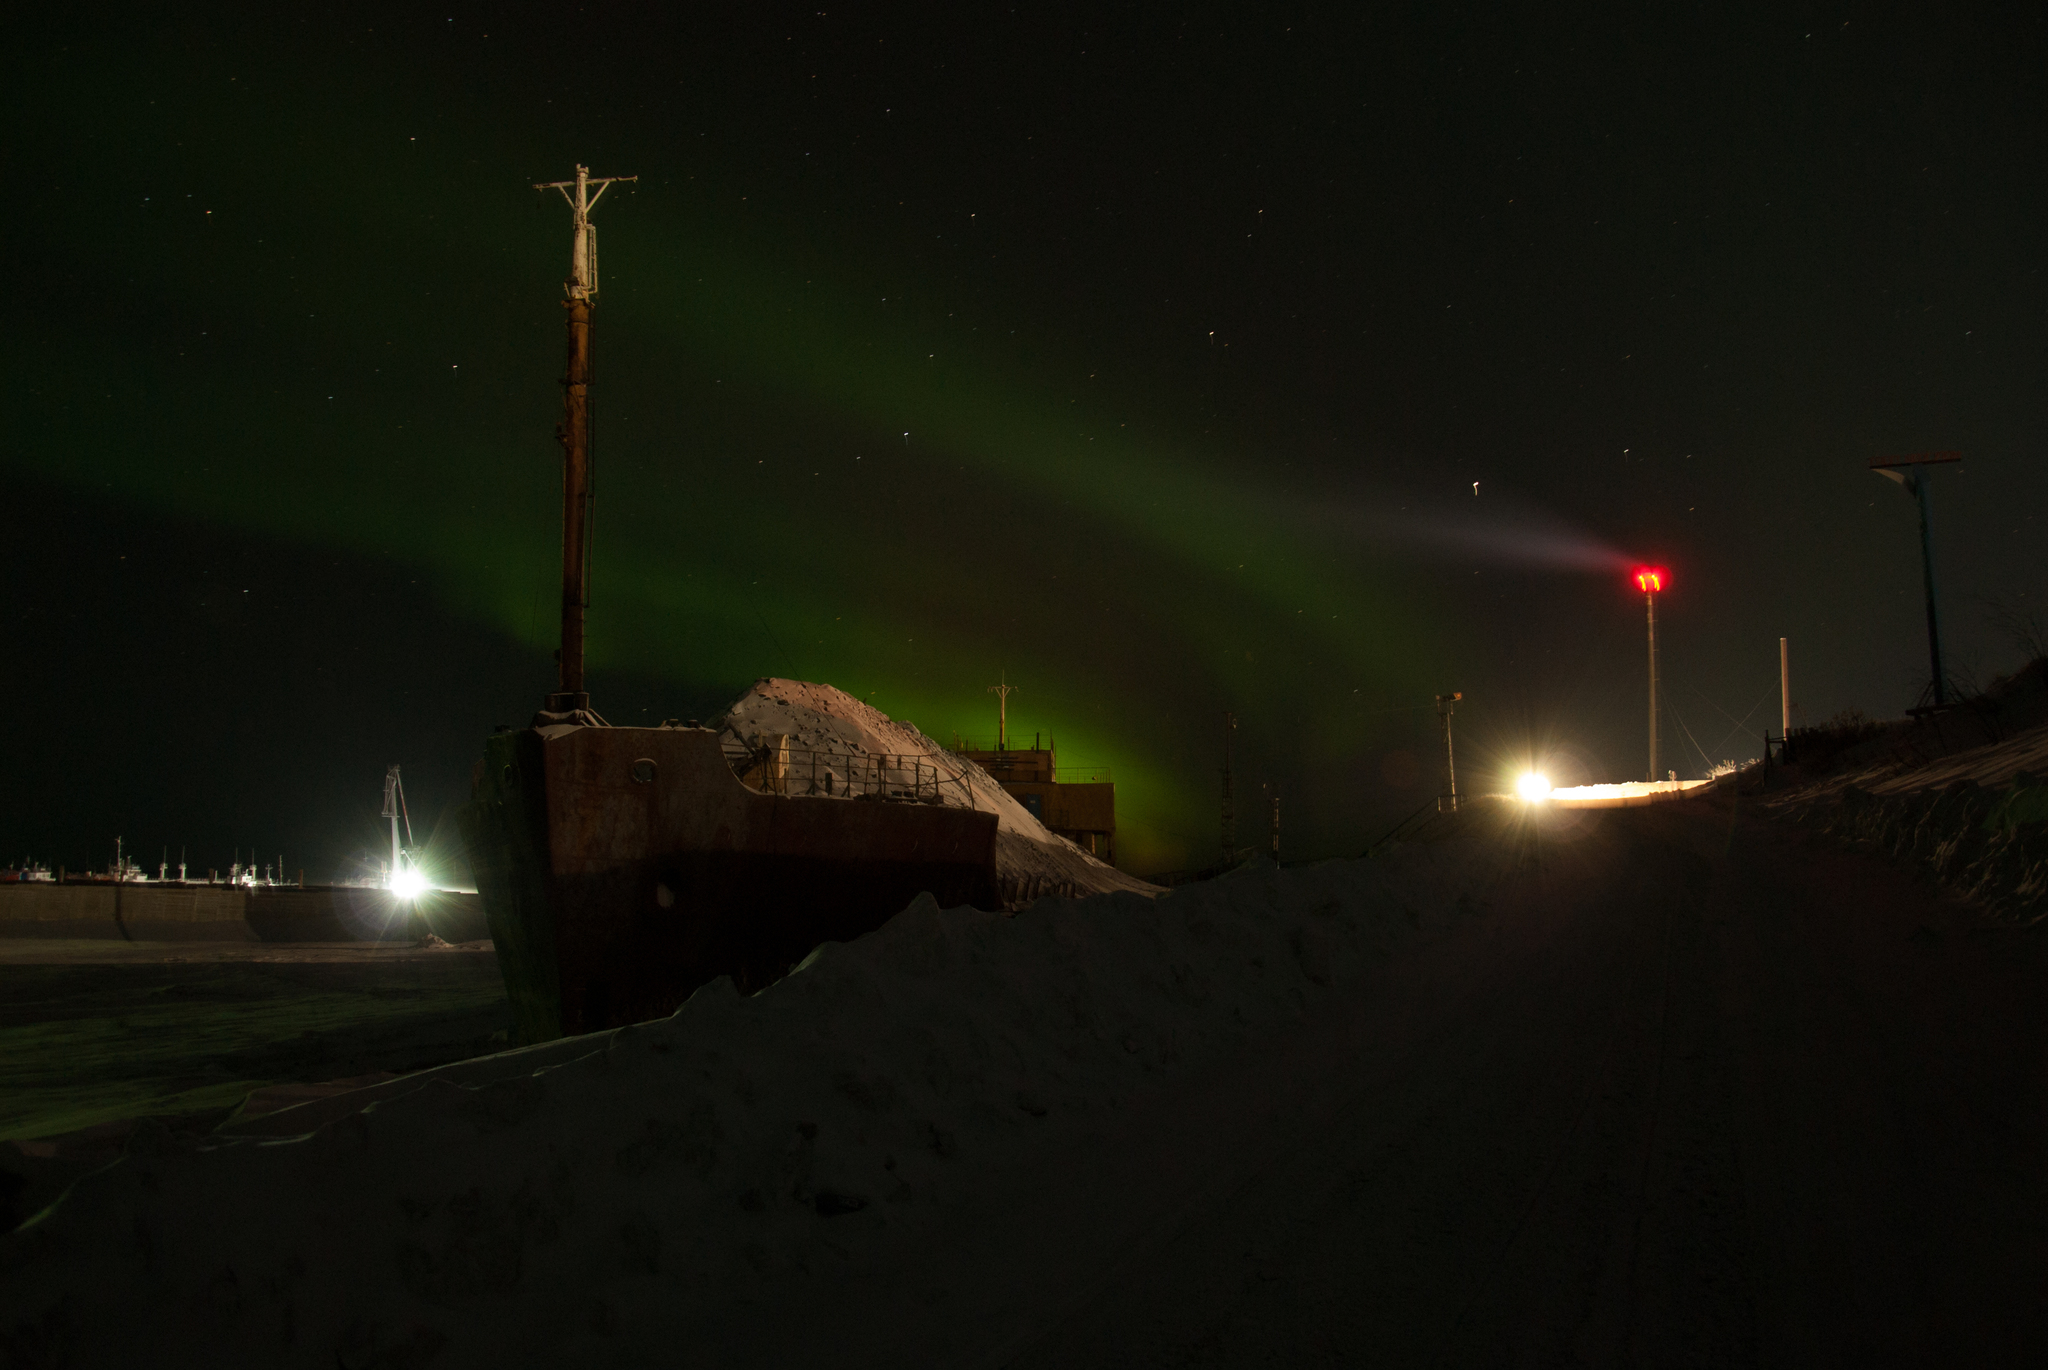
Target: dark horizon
{"points": [[1150, 359]]}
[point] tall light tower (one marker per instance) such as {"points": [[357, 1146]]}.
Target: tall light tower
{"points": [[394, 809], [1651, 579], [1911, 473], [582, 194]]}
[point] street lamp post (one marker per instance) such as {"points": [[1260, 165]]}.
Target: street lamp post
{"points": [[1650, 579], [1911, 473]]}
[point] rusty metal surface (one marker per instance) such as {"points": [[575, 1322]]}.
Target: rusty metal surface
{"points": [[659, 871], [575, 436], [599, 812]]}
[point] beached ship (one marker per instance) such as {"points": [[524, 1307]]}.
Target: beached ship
{"points": [[622, 868]]}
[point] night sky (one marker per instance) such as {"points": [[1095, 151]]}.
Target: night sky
{"points": [[1147, 354]]}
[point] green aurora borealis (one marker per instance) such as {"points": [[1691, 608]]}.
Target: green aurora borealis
{"points": [[292, 285]]}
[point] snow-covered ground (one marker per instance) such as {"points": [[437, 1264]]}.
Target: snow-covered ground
{"points": [[827, 721], [1976, 819], [692, 1190], [1626, 794], [2025, 752], [1540, 1086]]}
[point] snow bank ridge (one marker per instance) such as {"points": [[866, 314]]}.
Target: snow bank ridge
{"points": [[593, 1200]]}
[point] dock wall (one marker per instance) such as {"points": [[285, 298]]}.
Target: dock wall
{"points": [[226, 913]]}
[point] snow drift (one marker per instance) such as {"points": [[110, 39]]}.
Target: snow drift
{"points": [[830, 724], [705, 1188], [1976, 819]]}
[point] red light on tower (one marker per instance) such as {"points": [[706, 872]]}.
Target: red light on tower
{"points": [[1650, 580]]}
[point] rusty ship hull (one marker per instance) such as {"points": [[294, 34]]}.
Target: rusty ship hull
{"points": [[622, 868]]}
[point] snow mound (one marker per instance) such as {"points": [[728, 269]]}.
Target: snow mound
{"points": [[724, 1178], [825, 722], [1907, 772], [1987, 843], [1975, 819]]}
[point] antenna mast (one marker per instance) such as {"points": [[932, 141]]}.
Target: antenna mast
{"points": [[582, 194], [1002, 693]]}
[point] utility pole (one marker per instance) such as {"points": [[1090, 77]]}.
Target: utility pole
{"points": [[1784, 691], [1002, 693], [1276, 822], [574, 434], [1650, 579], [1912, 475], [1444, 705], [1229, 799]]}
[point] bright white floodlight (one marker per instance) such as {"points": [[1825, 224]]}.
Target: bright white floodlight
{"points": [[1533, 787], [408, 884]]}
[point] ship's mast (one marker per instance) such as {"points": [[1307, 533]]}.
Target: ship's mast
{"points": [[1002, 693], [582, 194]]}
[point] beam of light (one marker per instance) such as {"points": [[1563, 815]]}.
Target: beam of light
{"points": [[1503, 533], [408, 884], [1533, 787]]}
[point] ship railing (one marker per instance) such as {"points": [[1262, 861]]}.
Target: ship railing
{"points": [[1063, 775], [986, 745], [963, 745], [1024, 773], [1021, 891], [774, 768]]}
